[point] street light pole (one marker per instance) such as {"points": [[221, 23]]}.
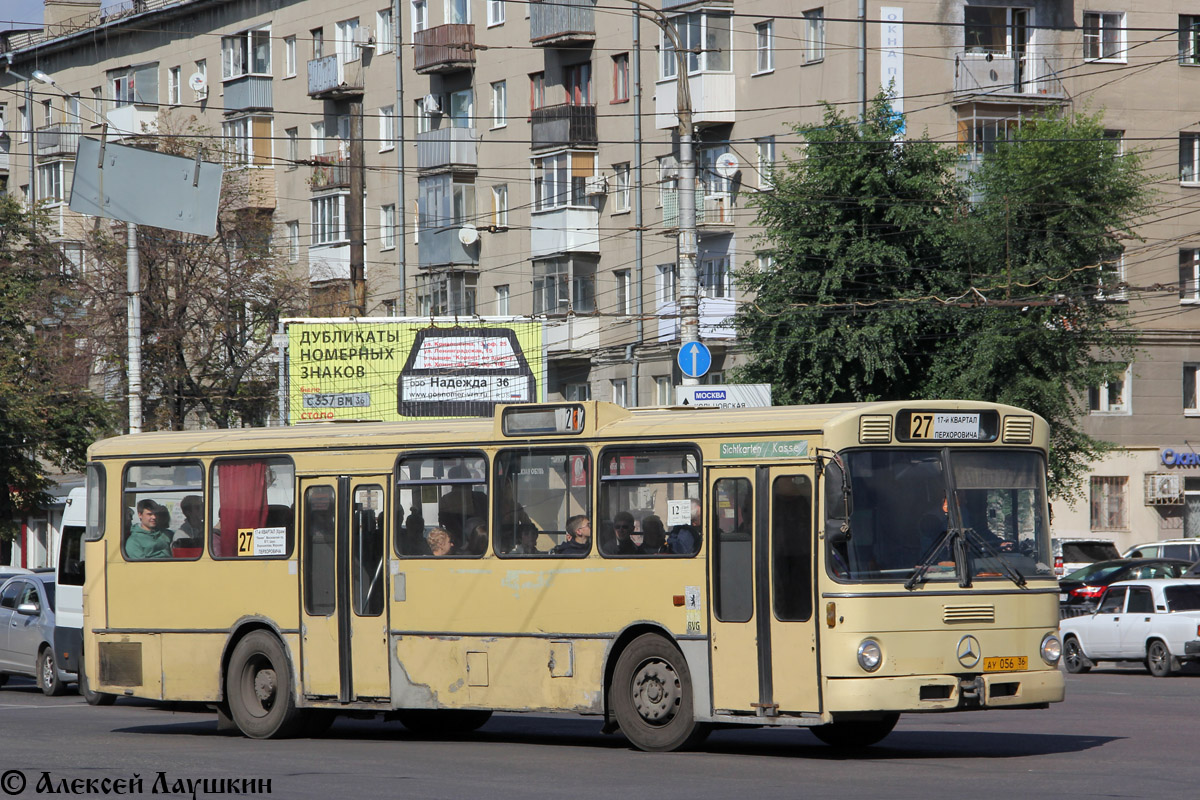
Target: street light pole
{"points": [[689, 281]]}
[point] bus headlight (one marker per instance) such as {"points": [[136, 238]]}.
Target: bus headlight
{"points": [[1051, 649], [870, 655]]}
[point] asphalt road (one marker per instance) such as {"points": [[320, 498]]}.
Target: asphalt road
{"points": [[1120, 733]]}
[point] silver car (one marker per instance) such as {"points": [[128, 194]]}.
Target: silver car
{"points": [[27, 632]]}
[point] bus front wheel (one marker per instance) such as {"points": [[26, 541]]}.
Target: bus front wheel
{"points": [[652, 696], [259, 688], [852, 733]]}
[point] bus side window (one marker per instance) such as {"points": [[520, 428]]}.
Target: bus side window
{"points": [[447, 491], [649, 502], [154, 495], [253, 508], [539, 491]]}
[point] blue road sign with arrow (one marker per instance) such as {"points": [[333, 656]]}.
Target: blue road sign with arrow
{"points": [[694, 359]]}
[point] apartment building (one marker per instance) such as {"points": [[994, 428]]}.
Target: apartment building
{"points": [[521, 159]]}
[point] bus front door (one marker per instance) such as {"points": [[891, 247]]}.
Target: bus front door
{"points": [[762, 629], [343, 555]]}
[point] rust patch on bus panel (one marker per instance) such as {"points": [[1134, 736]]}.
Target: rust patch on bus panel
{"points": [[405, 692]]}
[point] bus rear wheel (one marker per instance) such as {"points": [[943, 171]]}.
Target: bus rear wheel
{"points": [[259, 688], [652, 696], [443, 721], [854, 733]]}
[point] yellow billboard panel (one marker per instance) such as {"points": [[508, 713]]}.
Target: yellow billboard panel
{"points": [[395, 370]]}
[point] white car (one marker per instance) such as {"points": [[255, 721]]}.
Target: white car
{"points": [[1156, 622]]}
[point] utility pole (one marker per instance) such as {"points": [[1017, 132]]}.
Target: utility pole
{"points": [[354, 214]]}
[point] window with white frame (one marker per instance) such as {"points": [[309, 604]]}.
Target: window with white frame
{"points": [[765, 151], [447, 294], [423, 119], [705, 35], [564, 284], [987, 29], [500, 205], [1189, 39], [764, 262], [1112, 397], [1104, 35], [502, 297], [317, 36], [50, 182], [23, 121], [420, 16], [560, 180], [624, 292], [174, 85], [385, 36], [458, 12], [346, 43], [814, 35], [293, 147], [577, 392], [445, 201], [495, 12], [289, 57], [248, 141], [764, 45], [620, 78], [1112, 279], [387, 128], [1191, 388], [666, 284], [387, 227], [1109, 503], [620, 392], [663, 396], [328, 219], [246, 53], [316, 137], [202, 71], [499, 104], [97, 108], [1189, 158], [293, 239], [715, 278], [134, 85], [1189, 275], [621, 194], [74, 263]]}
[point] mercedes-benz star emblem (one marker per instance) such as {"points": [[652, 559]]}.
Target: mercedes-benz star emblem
{"points": [[968, 651]]}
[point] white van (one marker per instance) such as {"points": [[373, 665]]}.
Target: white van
{"points": [[1187, 549], [1073, 554], [68, 601]]}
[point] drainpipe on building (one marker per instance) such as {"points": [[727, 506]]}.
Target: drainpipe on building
{"points": [[862, 58], [401, 208], [637, 191]]}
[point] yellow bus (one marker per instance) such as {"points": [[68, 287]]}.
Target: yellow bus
{"points": [[668, 570]]}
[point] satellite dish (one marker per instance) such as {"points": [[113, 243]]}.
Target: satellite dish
{"points": [[468, 235], [727, 165], [198, 82]]}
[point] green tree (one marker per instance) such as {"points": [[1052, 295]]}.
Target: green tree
{"points": [[47, 415]]}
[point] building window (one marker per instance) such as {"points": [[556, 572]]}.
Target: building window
{"points": [[621, 188], [577, 80], [1110, 511], [537, 89], [663, 395], [458, 12], [293, 146], [328, 213], [420, 16], [666, 284], [1189, 40], [500, 206], [495, 12], [502, 295], [387, 128], [385, 38], [293, 238], [50, 182], [74, 264], [98, 105], [624, 292], [247, 141], [387, 227], [620, 392], [705, 35], [764, 35], [561, 179], [1111, 397], [131, 85], [621, 78], [715, 278], [316, 137], [318, 42], [423, 117], [814, 35], [499, 104], [1191, 385], [447, 294], [562, 285], [1189, 275], [577, 392], [174, 75], [765, 148], [289, 57], [346, 43], [1189, 158], [246, 53], [1104, 36], [445, 201]]}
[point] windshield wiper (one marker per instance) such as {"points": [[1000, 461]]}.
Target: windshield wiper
{"points": [[1011, 572], [918, 577]]}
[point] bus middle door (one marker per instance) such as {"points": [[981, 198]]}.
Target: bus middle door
{"points": [[344, 651]]}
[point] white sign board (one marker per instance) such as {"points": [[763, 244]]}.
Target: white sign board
{"points": [[743, 395], [468, 388]]}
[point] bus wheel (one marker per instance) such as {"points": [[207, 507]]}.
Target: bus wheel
{"points": [[851, 733], [259, 688], [443, 721], [652, 696], [47, 676], [93, 698], [1073, 657]]}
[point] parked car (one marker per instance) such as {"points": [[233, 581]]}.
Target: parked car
{"points": [[1079, 592], [1187, 549], [27, 632], [1073, 554], [1156, 622]]}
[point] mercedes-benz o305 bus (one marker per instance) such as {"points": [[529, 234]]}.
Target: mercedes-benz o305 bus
{"points": [[828, 567]]}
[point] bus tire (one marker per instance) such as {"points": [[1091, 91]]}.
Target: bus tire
{"points": [[652, 696], [47, 674], [1074, 661], [259, 688], [90, 697], [439, 722], [855, 733]]}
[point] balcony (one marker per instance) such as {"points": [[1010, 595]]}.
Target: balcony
{"points": [[332, 171], [712, 210], [445, 48], [563, 126], [441, 247], [248, 93], [571, 229], [131, 120], [1000, 78], [571, 334], [562, 22], [250, 187], [59, 139], [329, 78], [447, 148], [714, 100]]}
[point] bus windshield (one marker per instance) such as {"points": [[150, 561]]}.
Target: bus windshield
{"points": [[928, 515]]}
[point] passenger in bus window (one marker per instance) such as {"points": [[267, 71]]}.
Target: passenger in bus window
{"points": [[579, 538], [145, 540], [413, 537], [623, 529], [440, 543], [654, 535], [460, 503], [477, 536], [527, 536], [192, 526], [685, 539]]}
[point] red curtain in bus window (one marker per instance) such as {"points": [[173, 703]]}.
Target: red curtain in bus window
{"points": [[243, 487]]}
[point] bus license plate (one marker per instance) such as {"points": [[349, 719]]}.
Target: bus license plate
{"points": [[1006, 664]]}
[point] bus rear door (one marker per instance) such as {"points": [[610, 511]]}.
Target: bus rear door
{"points": [[344, 585], [762, 629]]}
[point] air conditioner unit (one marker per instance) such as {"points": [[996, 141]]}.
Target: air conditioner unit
{"points": [[1164, 489], [596, 185], [364, 37]]}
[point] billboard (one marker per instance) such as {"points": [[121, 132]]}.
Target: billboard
{"points": [[411, 369]]}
